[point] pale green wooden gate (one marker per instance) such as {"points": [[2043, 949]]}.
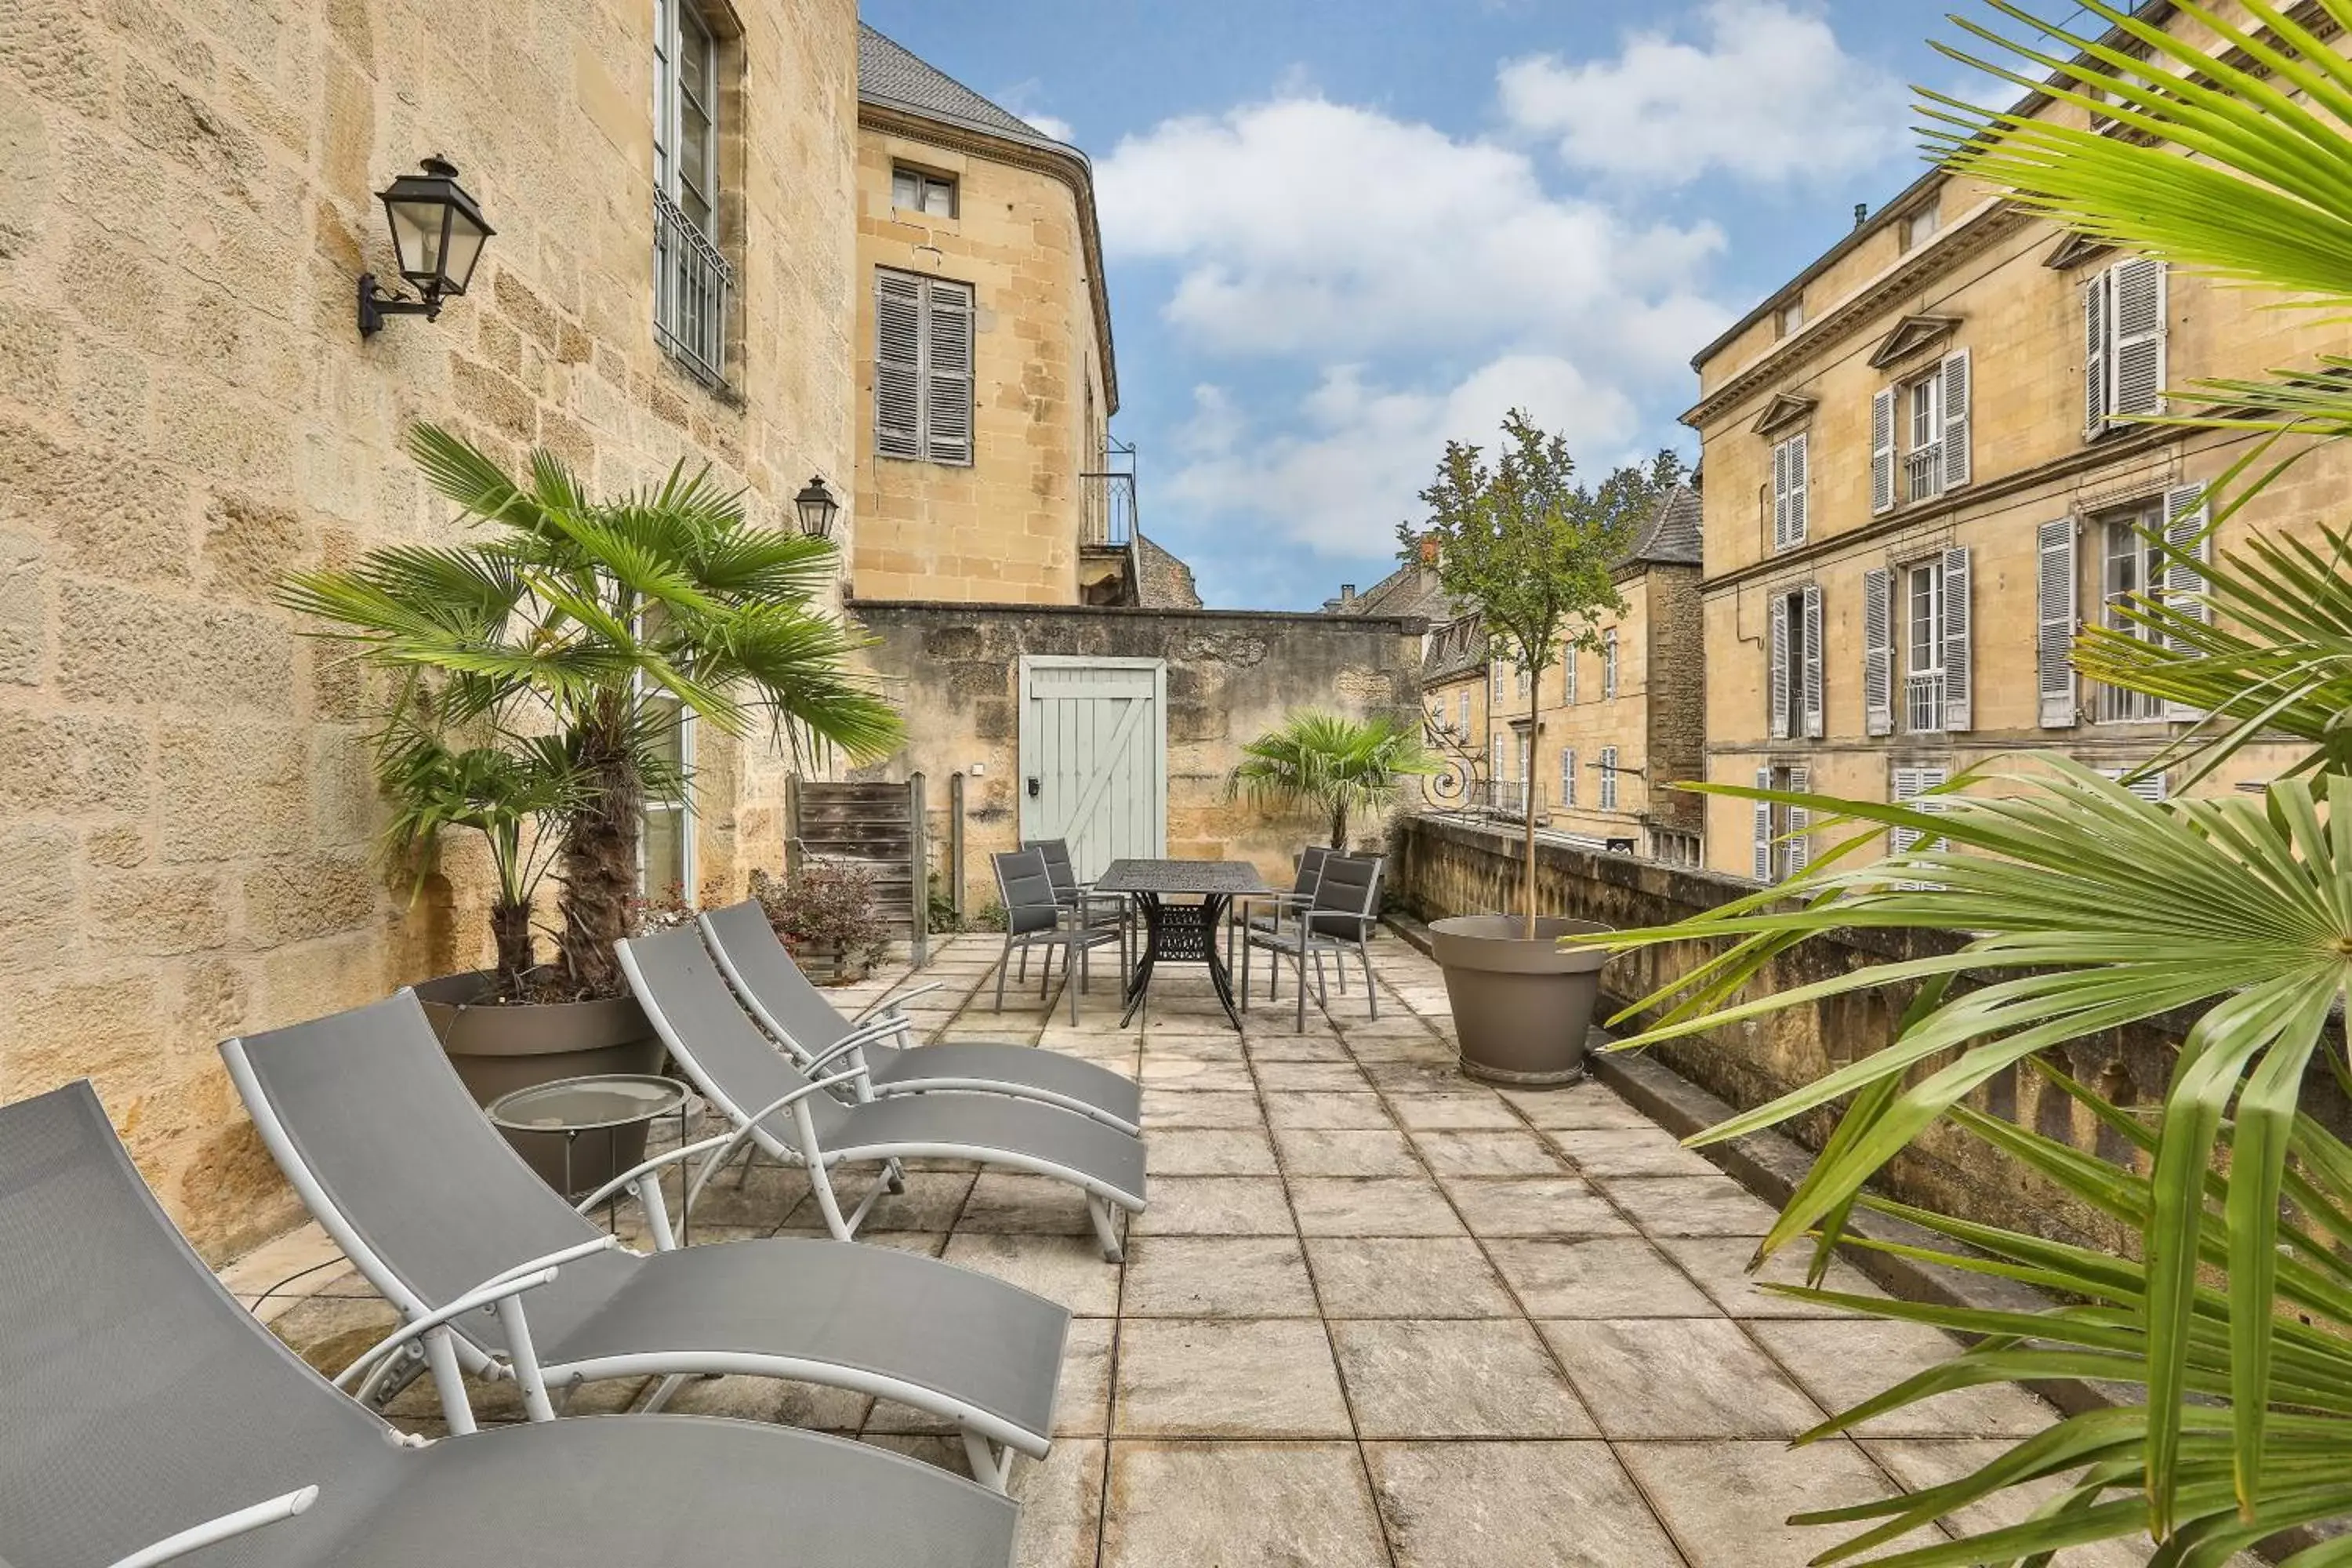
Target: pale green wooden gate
{"points": [[1094, 756]]}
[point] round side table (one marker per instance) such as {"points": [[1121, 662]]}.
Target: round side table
{"points": [[592, 1108]]}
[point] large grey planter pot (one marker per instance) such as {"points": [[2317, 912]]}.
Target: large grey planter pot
{"points": [[1521, 1008], [498, 1049]]}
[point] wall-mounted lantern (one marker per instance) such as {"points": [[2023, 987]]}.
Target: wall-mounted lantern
{"points": [[436, 236], [817, 508]]}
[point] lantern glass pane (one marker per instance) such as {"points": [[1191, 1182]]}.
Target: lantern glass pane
{"points": [[416, 236], [465, 249]]}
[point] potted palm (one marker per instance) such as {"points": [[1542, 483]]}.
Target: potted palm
{"points": [[1342, 769], [567, 639], [1534, 553]]}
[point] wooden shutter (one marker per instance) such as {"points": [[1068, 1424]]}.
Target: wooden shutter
{"points": [[1909, 784], [1959, 682], [2096, 356], [1608, 778], [2154, 788], [1879, 651], [2055, 623], [1798, 480], [1780, 495], [947, 372], [1882, 450], [1956, 395], [1810, 677], [1568, 672], [898, 364], [1796, 847], [2139, 326], [1763, 862], [1568, 777], [2186, 520], [1777, 665]]}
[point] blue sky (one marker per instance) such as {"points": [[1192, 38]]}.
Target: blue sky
{"points": [[1339, 233]]}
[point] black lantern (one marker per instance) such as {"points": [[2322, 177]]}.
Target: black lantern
{"points": [[817, 508], [436, 236]]}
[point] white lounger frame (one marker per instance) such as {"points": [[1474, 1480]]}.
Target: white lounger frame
{"points": [[809, 1155], [990, 1441], [891, 1021]]}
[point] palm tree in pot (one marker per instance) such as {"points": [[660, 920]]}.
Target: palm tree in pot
{"points": [[1533, 551], [1342, 769]]}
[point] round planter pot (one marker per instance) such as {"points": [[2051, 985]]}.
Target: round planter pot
{"points": [[498, 1049], [1521, 1008]]}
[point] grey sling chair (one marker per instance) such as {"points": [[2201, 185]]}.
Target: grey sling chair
{"points": [[376, 1133], [146, 1418], [1346, 908], [1300, 898], [789, 1117], [1087, 910], [798, 1015], [1035, 916]]}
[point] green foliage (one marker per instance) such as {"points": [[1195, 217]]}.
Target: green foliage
{"points": [[1342, 768], [829, 909]]}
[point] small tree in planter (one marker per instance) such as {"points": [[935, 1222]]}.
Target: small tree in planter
{"points": [[1535, 552], [826, 909], [1341, 768]]}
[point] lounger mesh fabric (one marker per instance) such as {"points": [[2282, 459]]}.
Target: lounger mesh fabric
{"points": [[139, 1400], [385, 1125], [811, 1026]]}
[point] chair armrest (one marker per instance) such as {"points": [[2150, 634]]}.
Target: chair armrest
{"points": [[923, 989], [513, 1282], [794, 1098], [718, 1159], [629, 1177], [227, 1526]]}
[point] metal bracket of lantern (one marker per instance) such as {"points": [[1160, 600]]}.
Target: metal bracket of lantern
{"points": [[437, 232]]}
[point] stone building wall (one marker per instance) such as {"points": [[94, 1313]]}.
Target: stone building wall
{"points": [[187, 410], [1232, 675]]}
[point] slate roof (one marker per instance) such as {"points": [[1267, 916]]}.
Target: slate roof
{"points": [[889, 75], [1454, 649], [1672, 536], [1411, 590]]}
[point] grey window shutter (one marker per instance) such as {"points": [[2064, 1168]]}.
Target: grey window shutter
{"points": [[2139, 330], [1882, 450], [2096, 354], [1780, 495], [1955, 394], [1798, 479], [1796, 847], [2152, 789], [898, 364], [1810, 680], [1608, 778], [1899, 840], [1959, 682], [1777, 666], [2186, 520], [1879, 651], [947, 372], [2055, 623], [1763, 862], [1568, 777]]}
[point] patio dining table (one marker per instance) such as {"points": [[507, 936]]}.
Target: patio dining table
{"points": [[1181, 932]]}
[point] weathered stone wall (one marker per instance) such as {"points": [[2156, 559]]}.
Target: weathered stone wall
{"points": [[1232, 675], [1446, 866], [187, 410]]}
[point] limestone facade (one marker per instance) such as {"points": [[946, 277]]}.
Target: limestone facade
{"points": [[1970, 322], [187, 410]]}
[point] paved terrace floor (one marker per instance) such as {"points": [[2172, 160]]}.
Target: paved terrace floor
{"points": [[1376, 1315]]}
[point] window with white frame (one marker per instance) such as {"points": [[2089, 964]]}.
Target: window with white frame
{"points": [[666, 819], [1790, 316], [693, 280], [922, 191], [1790, 484], [1919, 435], [1462, 716], [922, 367], [1568, 672], [2131, 564], [2125, 322], [1609, 664], [1920, 224], [1495, 682], [1608, 778], [1521, 679], [1568, 777], [1923, 647], [1783, 846], [1793, 664], [1910, 783]]}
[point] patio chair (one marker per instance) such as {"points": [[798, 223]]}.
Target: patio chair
{"points": [[149, 1417], [1102, 912], [1035, 916], [716, 1044], [1346, 906], [374, 1129], [799, 1016], [1275, 905]]}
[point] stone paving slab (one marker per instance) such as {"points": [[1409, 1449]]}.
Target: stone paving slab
{"points": [[1377, 1313]]}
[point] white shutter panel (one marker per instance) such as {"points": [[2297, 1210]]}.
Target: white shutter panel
{"points": [[1568, 778], [1934, 779], [947, 373], [1809, 680], [1780, 495], [898, 364], [1796, 848], [1956, 395], [1882, 450], [2186, 518], [1798, 479], [2152, 789], [1568, 673], [1763, 863], [1879, 651], [1777, 665], [2095, 356], [2055, 623], [2140, 327], [1959, 682], [1899, 840]]}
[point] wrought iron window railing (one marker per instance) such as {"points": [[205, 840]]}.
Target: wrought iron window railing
{"points": [[1923, 701], [693, 284], [1923, 471]]}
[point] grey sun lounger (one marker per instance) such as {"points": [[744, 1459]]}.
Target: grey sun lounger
{"points": [[370, 1124], [781, 1112], [146, 1418], [800, 1017]]}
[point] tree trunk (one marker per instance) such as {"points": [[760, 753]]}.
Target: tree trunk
{"points": [[517, 948], [600, 856], [1339, 827], [1527, 801]]}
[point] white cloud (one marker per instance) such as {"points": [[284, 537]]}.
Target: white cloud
{"points": [[1022, 99], [1768, 94]]}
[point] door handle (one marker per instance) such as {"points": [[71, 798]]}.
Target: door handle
{"points": [[1035, 788]]}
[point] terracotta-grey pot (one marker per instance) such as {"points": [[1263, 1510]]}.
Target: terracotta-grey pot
{"points": [[499, 1048], [1521, 1008]]}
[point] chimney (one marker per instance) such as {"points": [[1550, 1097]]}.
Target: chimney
{"points": [[1429, 550], [1860, 213]]}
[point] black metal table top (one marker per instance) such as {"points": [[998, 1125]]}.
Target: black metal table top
{"points": [[1225, 878]]}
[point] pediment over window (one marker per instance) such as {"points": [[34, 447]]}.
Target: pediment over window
{"points": [[1785, 409], [2075, 250], [1912, 334]]}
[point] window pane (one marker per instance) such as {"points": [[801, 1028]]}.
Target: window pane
{"points": [[906, 189], [939, 198], [664, 842]]}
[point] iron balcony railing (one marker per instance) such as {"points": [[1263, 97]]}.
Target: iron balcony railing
{"points": [[1923, 695], [1923, 472], [1109, 494], [692, 283]]}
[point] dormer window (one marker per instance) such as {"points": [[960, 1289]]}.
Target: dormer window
{"points": [[1791, 315], [1920, 224], [922, 191]]}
